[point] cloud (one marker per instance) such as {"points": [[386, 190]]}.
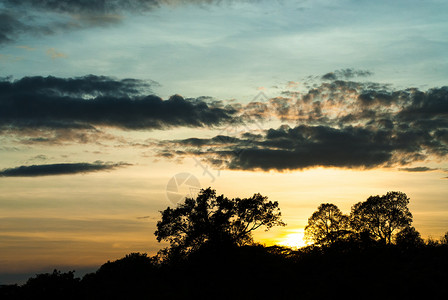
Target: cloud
{"points": [[342, 124], [18, 17], [346, 74], [102, 20], [296, 148], [343, 103], [10, 27], [76, 6], [102, 6], [301, 147], [40, 157], [83, 103], [25, 47], [16, 23], [59, 169], [51, 52], [418, 169]]}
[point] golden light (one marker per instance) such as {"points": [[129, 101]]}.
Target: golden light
{"points": [[293, 240]]}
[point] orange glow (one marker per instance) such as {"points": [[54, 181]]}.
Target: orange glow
{"points": [[293, 240]]}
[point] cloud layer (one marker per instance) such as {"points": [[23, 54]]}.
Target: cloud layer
{"points": [[90, 101], [59, 169], [101, 6], [19, 17], [339, 123]]}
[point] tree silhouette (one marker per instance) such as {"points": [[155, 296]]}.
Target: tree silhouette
{"points": [[215, 220], [56, 285], [409, 237], [380, 216], [326, 225], [129, 276], [444, 239]]}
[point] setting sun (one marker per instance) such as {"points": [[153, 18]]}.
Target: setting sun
{"points": [[293, 240]]}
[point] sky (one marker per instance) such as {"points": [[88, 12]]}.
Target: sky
{"points": [[111, 111]]}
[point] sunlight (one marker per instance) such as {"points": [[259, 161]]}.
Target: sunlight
{"points": [[293, 240]]}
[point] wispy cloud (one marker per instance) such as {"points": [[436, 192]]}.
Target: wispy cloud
{"points": [[59, 169], [10, 27], [25, 47], [54, 54], [344, 74], [418, 169], [102, 6], [32, 17]]}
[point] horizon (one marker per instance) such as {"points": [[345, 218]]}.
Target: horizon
{"points": [[109, 114]]}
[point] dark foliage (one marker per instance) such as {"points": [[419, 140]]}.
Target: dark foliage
{"points": [[130, 276], [381, 216], [327, 225], [214, 220], [349, 269], [56, 285]]}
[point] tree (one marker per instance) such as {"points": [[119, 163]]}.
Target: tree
{"points": [[381, 216], [56, 285], [125, 278], [444, 239], [409, 237], [215, 220], [326, 225]]}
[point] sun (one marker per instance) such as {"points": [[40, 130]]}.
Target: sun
{"points": [[293, 240]]}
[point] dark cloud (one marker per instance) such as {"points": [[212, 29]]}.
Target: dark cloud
{"points": [[15, 23], [343, 124], [10, 27], [304, 147], [300, 147], [77, 6], [59, 169], [87, 86], [90, 101], [347, 103], [60, 136], [346, 74], [101, 6], [418, 169], [19, 17], [430, 105]]}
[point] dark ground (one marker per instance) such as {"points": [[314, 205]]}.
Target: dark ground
{"points": [[257, 272]]}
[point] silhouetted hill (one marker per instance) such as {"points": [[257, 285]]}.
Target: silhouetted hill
{"points": [[349, 270]]}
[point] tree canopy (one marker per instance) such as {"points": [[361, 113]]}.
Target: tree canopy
{"points": [[381, 216], [408, 237], [326, 225], [215, 220]]}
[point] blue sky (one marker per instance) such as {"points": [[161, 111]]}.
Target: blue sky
{"points": [[230, 49]]}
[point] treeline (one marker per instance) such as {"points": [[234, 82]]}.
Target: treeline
{"points": [[344, 269], [372, 253], [385, 219]]}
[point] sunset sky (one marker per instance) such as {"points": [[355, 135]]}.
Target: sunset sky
{"points": [[110, 111]]}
